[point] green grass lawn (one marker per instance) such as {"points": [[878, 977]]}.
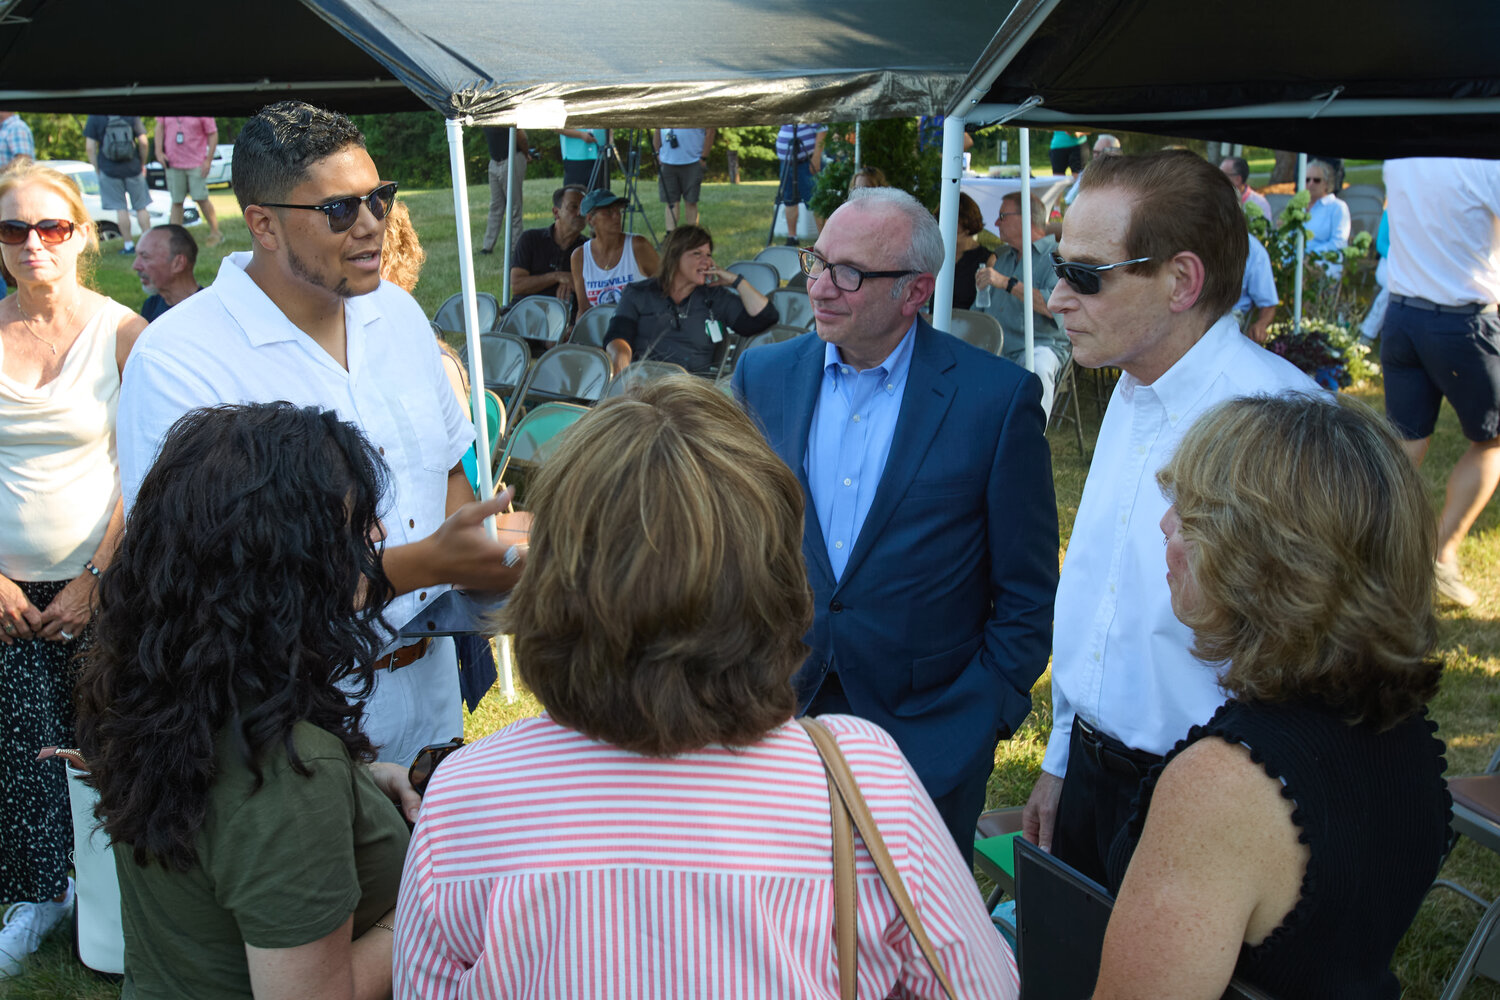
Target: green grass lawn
{"points": [[1467, 708]]}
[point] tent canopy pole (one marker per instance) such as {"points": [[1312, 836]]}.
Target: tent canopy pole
{"points": [[471, 315]]}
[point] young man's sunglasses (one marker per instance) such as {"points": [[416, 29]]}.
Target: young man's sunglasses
{"points": [[1084, 278], [13, 232], [343, 212], [428, 758]]}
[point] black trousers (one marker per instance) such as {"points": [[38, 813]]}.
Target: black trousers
{"points": [[1098, 796]]}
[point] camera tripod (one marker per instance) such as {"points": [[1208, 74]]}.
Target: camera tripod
{"points": [[630, 171]]}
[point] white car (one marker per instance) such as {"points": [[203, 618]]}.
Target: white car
{"points": [[159, 211], [218, 170]]}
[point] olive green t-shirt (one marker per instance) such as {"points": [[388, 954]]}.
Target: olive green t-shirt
{"points": [[282, 867]]}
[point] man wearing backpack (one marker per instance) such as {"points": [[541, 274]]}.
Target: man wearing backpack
{"points": [[116, 146]]}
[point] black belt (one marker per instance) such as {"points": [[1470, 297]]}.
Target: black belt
{"points": [[1467, 309], [1112, 755]]}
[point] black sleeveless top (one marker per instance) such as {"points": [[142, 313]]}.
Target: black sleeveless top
{"points": [[1374, 811]]}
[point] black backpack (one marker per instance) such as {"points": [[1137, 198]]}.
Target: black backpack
{"points": [[119, 140]]}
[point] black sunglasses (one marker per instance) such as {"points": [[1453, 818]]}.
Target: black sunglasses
{"points": [[428, 759], [844, 276], [343, 212], [1084, 278], [13, 232]]}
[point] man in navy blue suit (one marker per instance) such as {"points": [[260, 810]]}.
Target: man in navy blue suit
{"points": [[931, 526]]}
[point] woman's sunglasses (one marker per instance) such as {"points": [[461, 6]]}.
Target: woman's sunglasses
{"points": [[13, 232], [428, 758], [343, 212], [1084, 278]]}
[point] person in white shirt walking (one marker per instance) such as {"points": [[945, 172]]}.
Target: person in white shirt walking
{"points": [[1441, 337], [1149, 265]]}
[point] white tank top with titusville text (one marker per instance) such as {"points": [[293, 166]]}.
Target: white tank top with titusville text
{"points": [[603, 287]]}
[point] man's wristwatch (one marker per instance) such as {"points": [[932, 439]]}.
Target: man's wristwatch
{"points": [[1011, 284]]}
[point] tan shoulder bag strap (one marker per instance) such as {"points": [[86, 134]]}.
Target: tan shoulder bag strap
{"points": [[848, 804]]}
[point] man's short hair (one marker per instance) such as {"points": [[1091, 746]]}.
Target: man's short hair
{"points": [[1038, 210], [1183, 203], [1239, 167], [276, 149], [925, 253], [179, 241], [1107, 141], [562, 192]]}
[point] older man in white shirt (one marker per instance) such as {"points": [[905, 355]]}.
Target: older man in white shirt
{"points": [[305, 317], [1149, 265]]}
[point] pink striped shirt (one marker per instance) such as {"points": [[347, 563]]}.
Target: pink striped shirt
{"points": [[546, 864]]}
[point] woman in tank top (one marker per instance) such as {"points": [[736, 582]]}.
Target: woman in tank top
{"points": [[604, 265], [1299, 550], [62, 348]]}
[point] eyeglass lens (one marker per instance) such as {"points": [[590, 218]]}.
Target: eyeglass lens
{"points": [[1080, 278], [51, 231], [844, 277], [343, 213]]}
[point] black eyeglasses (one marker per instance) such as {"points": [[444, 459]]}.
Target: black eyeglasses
{"points": [[343, 212], [1005, 215], [1084, 278], [844, 276], [13, 232], [428, 759]]}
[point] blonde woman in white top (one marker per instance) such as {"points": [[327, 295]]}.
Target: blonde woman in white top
{"points": [[62, 348]]}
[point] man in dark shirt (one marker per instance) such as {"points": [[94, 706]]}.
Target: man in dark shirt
{"points": [[541, 263], [164, 261], [502, 171]]}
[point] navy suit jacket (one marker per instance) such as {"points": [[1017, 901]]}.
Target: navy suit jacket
{"points": [[943, 618]]}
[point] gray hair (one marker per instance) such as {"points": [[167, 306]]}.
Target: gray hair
{"points": [[1038, 209], [925, 252], [1110, 142]]}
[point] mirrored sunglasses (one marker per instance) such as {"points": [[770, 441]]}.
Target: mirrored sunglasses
{"points": [[342, 213], [1084, 278]]}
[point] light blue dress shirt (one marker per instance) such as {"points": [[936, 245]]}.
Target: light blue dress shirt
{"points": [[1259, 286], [853, 423]]}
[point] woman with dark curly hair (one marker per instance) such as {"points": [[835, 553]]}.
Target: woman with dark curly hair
{"points": [[1299, 551], [664, 830], [258, 850]]}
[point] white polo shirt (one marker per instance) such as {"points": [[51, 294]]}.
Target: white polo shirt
{"points": [[231, 344]]}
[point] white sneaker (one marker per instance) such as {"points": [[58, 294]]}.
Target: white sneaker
{"points": [[25, 926]]}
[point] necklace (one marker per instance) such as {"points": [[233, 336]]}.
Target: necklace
{"points": [[26, 322]]}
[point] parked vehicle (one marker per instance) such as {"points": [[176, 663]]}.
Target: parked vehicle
{"points": [[160, 210], [218, 171]]}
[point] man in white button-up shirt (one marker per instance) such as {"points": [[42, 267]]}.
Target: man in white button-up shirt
{"points": [[1152, 256], [305, 317]]}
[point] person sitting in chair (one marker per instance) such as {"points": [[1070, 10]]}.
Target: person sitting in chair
{"points": [[684, 314]]}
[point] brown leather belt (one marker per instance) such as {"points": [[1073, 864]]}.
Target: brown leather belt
{"points": [[403, 657]]}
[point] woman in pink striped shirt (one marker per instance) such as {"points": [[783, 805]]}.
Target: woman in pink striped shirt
{"points": [[663, 830]]}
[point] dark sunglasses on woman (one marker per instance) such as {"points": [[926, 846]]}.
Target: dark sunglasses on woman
{"points": [[343, 212], [13, 232]]}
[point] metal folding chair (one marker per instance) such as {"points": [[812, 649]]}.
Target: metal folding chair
{"points": [[788, 265], [450, 315], [568, 373], [792, 305], [592, 325], [978, 329], [763, 276], [640, 371], [542, 318]]}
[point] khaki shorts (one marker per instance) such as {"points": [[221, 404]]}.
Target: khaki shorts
{"points": [[181, 183]]}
